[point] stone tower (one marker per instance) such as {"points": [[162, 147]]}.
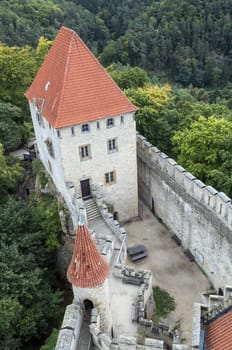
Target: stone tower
{"points": [[84, 126], [88, 272]]}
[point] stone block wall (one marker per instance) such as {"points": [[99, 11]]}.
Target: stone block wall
{"points": [[199, 215]]}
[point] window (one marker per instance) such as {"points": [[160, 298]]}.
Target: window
{"points": [[122, 119], [110, 122], [110, 177], [85, 152], [73, 130], [40, 119], [98, 125], [112, 146], [85, 128], [58, 133]]}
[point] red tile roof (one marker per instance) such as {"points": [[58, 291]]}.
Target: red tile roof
{"points": [[75, 87], [219, 333], [88, 268]]}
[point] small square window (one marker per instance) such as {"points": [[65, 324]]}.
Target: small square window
{"points": [[110, 122], [110, 177], [112, 146], [85, 127], [73, 131], [85, 152], [122, 119]]}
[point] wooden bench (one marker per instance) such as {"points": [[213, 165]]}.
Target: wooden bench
{"points": [[139, 256], [136, 249], [189, 255]]}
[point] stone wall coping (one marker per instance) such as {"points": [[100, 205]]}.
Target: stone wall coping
{"points": [[221, 204]]}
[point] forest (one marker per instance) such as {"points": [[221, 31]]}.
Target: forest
{"points": [[171, 58]]}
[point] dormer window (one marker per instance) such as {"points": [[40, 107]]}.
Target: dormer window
{"points": [[110, 122], [85, 127]]}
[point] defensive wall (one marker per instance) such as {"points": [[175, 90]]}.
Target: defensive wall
{"points": [[199, 216]]}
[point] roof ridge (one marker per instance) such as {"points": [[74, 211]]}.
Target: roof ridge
{"points": [[65, 72]]}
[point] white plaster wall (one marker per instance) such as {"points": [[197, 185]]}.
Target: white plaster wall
{"points": [[100, 298], [43, 133], [122, 194], [196, 213]]}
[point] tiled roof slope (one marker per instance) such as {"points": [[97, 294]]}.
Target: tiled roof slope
{"points": [[219, 333], [74, 85], [88, 268]]}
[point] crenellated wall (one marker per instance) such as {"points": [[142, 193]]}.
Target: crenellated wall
{"points": [[198, 215]]}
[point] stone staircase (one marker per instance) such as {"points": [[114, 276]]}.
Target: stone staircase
{"points": [[91, 209]]}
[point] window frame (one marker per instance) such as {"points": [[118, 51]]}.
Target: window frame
{"points": [[85, 128], [110, 123], [85, 152], [110, 177], [112, 145]]}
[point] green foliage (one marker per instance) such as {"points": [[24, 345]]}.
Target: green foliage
{"points": [[23, 22], [164, 303], [10, 313], [26, 288], [128, 77], [155, 118], [205, 150], [18, 67], [10, 130], [190, 43], [50, 342], [38, 169], [9, 174], [46, 212]]}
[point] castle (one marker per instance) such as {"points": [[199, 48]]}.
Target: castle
{"points": [[86, 139]]}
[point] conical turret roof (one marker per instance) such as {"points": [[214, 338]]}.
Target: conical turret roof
{"points": [[88, 268], [72, 86]]}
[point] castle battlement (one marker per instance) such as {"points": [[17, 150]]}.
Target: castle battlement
{"points": [[198, 215]]}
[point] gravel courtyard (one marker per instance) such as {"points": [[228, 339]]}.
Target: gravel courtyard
{"points": [[171, 269]]}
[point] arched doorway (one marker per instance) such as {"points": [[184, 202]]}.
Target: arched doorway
{"points": [[88, 306]]}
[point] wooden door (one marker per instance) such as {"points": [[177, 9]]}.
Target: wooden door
{"points": [[85, 189]]}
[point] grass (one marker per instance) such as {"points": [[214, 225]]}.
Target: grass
{"points": [[164, 303]]}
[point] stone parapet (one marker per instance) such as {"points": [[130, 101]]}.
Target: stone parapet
{"points": [[198, 215], [70, 328]]}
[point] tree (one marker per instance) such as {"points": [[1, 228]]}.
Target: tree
{"points": [[156, 117], [11, 314], [27, 271], [128, 77], [204, 149], [10, 128], [9, 174], [18, 67]]}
